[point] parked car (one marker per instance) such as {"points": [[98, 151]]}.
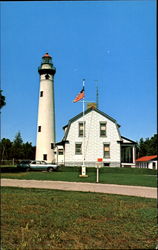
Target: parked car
{"points": [[36, 165], [24, 164]]}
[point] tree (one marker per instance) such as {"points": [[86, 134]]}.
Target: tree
{"points": [[141, 148], [29, 152], [5, 149], [17, 148], [147, 146], [153, 149], [2, 100], [18, 140]]}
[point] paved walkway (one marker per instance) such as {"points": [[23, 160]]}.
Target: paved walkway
{"points": [[148, 192]]}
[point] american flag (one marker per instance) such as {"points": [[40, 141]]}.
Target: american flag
{"points": [[79, 96]]}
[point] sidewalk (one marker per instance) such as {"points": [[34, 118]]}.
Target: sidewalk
{"points": [[148, 192]]}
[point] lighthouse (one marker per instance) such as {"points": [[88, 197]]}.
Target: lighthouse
{"points": [[46, 111]]}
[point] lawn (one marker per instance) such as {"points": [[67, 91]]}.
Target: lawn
{"points": [[122, 176], [49, 219]]}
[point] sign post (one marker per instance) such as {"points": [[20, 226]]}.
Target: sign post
{"points": [[98, 165]]}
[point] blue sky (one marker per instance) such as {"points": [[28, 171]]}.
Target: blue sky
{"points": [[113, 42]]}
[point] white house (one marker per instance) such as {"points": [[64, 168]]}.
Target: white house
{"points": [[101, 139], [147, 162]]}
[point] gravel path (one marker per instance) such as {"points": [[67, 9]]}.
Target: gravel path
{"points": [[148, 192]]}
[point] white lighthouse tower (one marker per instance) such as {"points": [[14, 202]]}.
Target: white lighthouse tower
{"points": [[46, 111]]}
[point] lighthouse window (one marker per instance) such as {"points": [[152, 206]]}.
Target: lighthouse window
{"points": [[39, 128], [47, 76], [41, 93], [45, 157]]}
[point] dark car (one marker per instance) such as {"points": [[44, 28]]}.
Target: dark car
{"points": [[24, 164]]}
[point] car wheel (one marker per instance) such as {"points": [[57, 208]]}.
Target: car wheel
{"points": [[50, 169], [28, 169]]}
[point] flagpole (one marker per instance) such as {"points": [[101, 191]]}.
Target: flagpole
{"points": [[80, 96], [83, 174], [83, 171], [83, 128]]}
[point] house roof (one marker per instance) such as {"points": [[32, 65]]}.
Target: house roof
{"points": [[147, 158], [86, 112], [61, 143], [129, 140]]}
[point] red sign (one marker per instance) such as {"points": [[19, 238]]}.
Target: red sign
{"points": [[100, 159]]}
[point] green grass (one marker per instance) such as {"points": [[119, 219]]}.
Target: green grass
{"points": [[122, 176], [49, 219]]}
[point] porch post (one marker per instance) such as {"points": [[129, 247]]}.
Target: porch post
{"points": [[134, 155]]}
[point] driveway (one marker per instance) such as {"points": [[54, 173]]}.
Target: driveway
{"points": [[148, 192]]}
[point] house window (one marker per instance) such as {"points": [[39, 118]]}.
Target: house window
{"points": [[127, 154], [52, 145], [106, 150], [80, 129], [60, 151], [39, 128], [78, 148], [41, 93], [102, 128], [45, 157]]}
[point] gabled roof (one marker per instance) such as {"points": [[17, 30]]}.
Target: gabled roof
{"points": [[86, 112], [147, 158], [129, 140]]}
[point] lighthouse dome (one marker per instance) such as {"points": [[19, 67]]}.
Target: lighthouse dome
{"points": [[46, 65], [46, 55]]}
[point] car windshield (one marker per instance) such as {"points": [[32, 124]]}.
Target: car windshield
{"points": [[33, 162], [24, 162]]}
